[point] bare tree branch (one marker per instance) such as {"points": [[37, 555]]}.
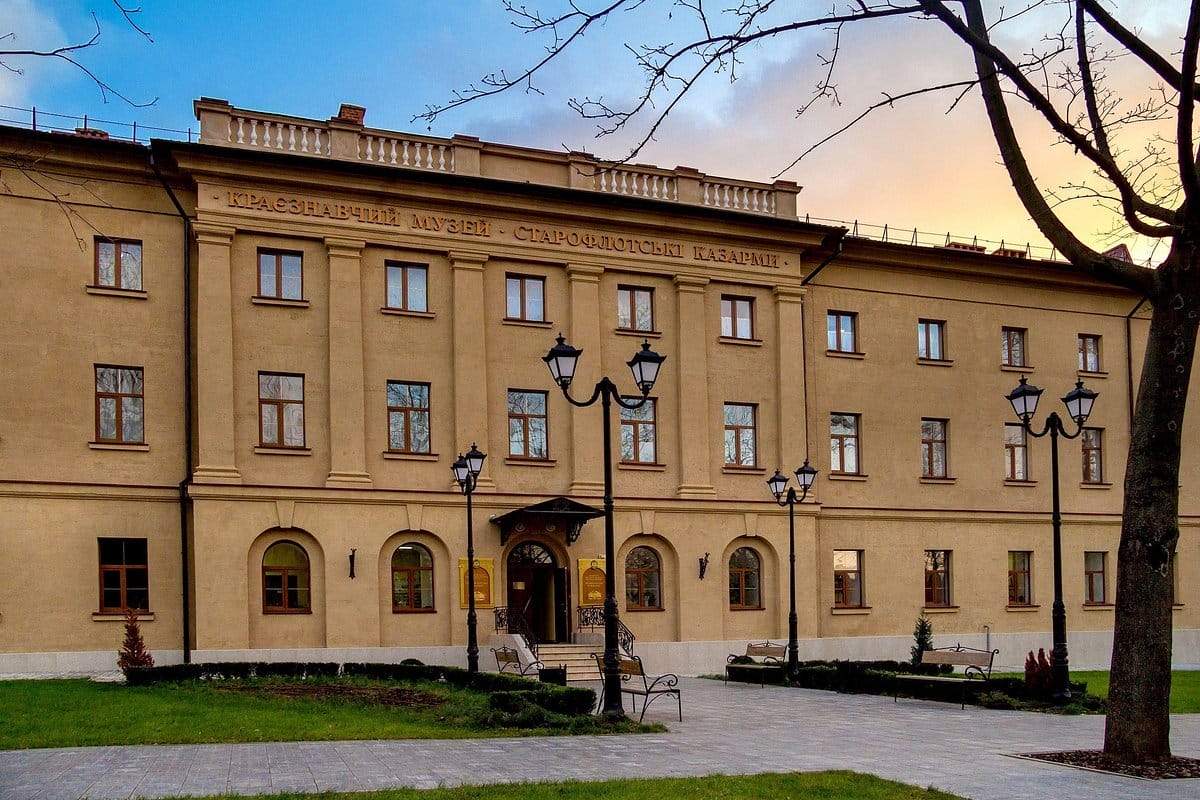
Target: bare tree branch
{"points": [[1187, 108], [1134, 44]]}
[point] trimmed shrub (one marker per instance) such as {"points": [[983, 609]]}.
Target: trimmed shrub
{"points": [[133, 652]]}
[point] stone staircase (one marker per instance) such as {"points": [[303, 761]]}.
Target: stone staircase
{"points": [[576, 657]]}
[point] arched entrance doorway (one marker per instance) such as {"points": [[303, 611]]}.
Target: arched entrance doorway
{"points": [[538, 591]]}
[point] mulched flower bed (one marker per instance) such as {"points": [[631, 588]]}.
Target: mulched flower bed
{"points": [[1095, 759], [393, 696]]}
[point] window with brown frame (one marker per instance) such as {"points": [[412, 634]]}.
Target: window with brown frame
{"points": [[745, 579], [931, 339], [1020, 585], [635, 308], [1016, 453], [1094, 578], [643, 580], [285, 579], [527, 425], [120, 405], [843, 444], [639, 440], [118, 264], [741, 437], [407, 286], [933, 448], [937, 578], [1012, 347], [841, 328], [281, 409], [525, 298], [737, 317], [280, 274], [1092, 441], [847, 579], [408, 417], [1089, 352], [124, 575], [412, 579]]}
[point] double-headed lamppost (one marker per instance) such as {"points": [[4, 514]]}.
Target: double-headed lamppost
{"points": [[466, 471], [785, 495], [1079, 402], [562, 360]]}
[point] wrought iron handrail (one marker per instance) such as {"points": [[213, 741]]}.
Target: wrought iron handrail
{"points": [[509, 620], [593, 617]]}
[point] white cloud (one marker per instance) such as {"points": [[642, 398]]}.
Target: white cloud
{"points": [[32, 28]]}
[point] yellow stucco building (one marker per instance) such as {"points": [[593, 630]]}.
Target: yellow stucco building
{"points": [[237, 372]]}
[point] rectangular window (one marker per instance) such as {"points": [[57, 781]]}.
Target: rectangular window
{"points": [[1092, 440], [841, 331], [847, 579], [933, 448], [527, 425], [937, 577], [638, 433], [737, 317], [407, 286], [1089, 352], [1012, 347], [124, 575], [1019, 585], [118, 264], [740, 437], [280, 409], [408, 417], [635, 308], [1016, 453], [931, 339], [280, 274], [1093, 576], [843, 443], [120, 404], [525, 298]]}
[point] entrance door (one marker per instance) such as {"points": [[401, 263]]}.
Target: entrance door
{"points": [[536, 591]]}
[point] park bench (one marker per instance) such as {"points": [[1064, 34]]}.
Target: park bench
{"points": [[976, 664], [763, 656], [509, 660], [636, 683]]}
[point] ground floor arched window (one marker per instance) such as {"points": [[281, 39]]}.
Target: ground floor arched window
{"points": [[285, 579]]}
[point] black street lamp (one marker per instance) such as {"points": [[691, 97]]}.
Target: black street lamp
{"points": [[785, 495], [466, 471], [562, 360], [1079, 402]]}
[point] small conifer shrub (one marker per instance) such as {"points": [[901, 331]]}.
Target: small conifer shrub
{"points": [[133, 652], [922, 637]]}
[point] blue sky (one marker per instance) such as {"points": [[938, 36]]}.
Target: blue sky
{"points": [[914, 167]]}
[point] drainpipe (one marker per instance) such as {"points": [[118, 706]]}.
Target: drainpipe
{"points": [[837, 251], [187, 411], [1129, 360]]}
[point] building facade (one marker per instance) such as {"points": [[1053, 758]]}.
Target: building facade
{"points": [[240, 369]]}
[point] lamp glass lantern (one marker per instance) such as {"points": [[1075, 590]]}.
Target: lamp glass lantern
{"points": [[562, 360], [1025, 398], [1079, 402], [805, 475], [644, 365], [778, 484]]}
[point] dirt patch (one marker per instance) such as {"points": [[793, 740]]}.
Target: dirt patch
{"points": [[391, 696], [1095, 759]]}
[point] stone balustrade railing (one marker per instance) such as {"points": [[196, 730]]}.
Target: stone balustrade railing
{"points": [[345, 137]]}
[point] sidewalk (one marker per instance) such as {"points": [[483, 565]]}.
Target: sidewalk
{"points": [[737, 728]]}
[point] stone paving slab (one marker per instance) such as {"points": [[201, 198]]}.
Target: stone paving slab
{"points": [[732, 729]]}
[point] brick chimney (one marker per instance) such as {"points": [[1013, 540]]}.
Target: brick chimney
{"points": [[91, 133], [351, 113]]}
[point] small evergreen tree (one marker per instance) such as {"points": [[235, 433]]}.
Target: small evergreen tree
{"points": [[923, 637], [133, 652]]}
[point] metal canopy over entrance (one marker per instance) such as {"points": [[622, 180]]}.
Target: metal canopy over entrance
{"points": [[559, 515]]}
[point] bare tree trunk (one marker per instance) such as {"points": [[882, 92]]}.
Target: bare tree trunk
{"points": [[1138, 726]]}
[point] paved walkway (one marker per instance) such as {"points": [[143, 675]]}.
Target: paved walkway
{"points": [[735, 729]]}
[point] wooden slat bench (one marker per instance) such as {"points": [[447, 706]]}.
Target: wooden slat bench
{"points": [[509, 660], [770, 657], [636, 683], [977, 669]]}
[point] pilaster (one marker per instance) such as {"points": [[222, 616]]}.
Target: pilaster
{"points": [[216, 460], [789, 369], [695, 456], [470, 357], [347, 424], [587, 429]]}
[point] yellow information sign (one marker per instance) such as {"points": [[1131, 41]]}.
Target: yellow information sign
{"points": [[485, 572], [591, 581]]}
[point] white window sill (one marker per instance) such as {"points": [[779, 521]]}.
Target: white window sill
{"points": [[112, 291], [283, 451], [136, 447], [113, 616], [279, 301], [394, 456]]}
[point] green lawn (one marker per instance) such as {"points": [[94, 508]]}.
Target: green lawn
{"points": [[788, 786], [66, 713], [1185, 687]]}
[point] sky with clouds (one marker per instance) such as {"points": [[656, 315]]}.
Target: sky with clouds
{"points": [[912, 166]]}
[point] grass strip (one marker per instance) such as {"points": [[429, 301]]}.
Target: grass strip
{"points": [[1185, 687]]}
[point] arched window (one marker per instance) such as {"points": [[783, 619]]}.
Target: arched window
{"points": [[643, 580], [412, 578], [285, 579], [745, 579]]}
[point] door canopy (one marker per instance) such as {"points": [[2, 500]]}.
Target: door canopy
{"points": [[561, 516]]}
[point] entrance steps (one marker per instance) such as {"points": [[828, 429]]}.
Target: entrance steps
{"points": [[576, 657]]}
